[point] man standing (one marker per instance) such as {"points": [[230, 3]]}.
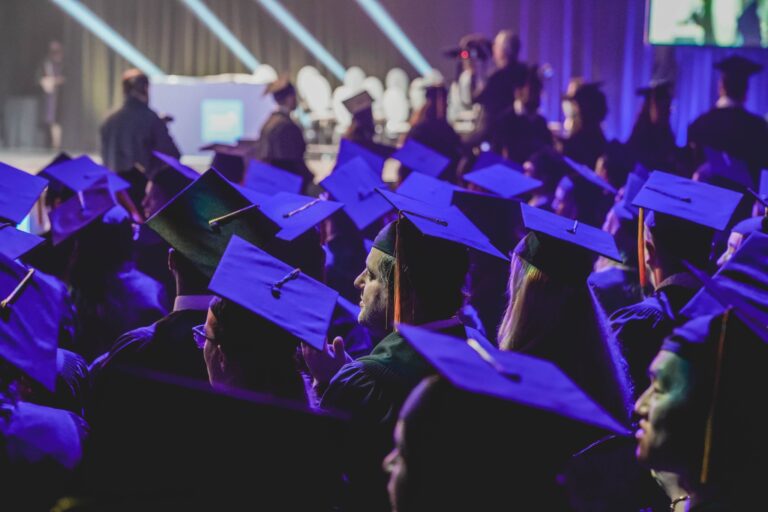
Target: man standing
{"points": [[51, 78], [129, 135], [729, 127], [282, 141]]}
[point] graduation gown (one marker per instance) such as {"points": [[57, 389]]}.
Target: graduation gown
{"points": [[734, 130], [39, 449], [585, 146], [520, 136], [165, 346], [372, 390], [641, 328], [129, 135], [615, 288], [282, 144]]}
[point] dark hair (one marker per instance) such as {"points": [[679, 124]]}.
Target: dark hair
{"points": [[593, 105], [618, 162], [430, 276], [470, 452], [677, 240], [284, 93], [549, 168], [735, 86], [264, 351]]}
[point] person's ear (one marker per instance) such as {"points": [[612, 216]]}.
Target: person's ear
{"points": [[172, 259], [650, 254]]}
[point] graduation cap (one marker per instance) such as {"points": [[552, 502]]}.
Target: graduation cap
{"points": [[624, 209], [692, 201], [60, 158], [176, 165], [763, 190], [740, 283], [563, 247], [15, 243], [269, 180], [489, 158], [723, 170], [18, 193], [497, 217], [445, 223], [231, 166], [82, 209], [358, 102], [202, 218], [295, 214], [349, 150], [285, 296], [428, 189], [656, 88], [280, 87], [585, 90], [516, 378], [503, 181], [354, 184], [588, 176], [738, 67], [29, 323], [420, 158], [81, 173]]}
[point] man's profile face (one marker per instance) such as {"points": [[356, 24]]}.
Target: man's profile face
{"points": [[667, 434], [374, 294]]}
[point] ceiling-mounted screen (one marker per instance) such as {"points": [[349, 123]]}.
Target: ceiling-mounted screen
{"points": [[728, 23]]}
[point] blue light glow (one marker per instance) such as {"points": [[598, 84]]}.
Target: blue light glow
{"points": [[90, 21], [210, 20], [381, 17], [297, 30]]}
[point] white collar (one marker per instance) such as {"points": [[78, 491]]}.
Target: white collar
{"points": [[196, 302]]}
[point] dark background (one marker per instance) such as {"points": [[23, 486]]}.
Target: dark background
{"points": [[599, 39]]}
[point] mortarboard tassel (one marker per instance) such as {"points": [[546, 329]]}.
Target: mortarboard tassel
{"points": [[710, 427], [641, 248], [11, 298], [215, 223]]}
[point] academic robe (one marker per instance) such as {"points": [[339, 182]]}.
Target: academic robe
{"points": [[585, 146], [282, 145], [641, 328], [372, 390], [615, 288], [734, 130]]}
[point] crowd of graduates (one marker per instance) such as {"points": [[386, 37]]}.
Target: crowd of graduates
{"points": [[523, 320]]}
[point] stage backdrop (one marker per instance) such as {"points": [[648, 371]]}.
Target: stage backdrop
{"points": [[597, 39]]}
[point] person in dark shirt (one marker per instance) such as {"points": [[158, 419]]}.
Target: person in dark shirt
{"points": [[521, 131], [652, 140], [281, 142], [430, 127], [587, 142], [729, 127], [129, 135]]}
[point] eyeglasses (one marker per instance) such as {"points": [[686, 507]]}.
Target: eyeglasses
{"points": [[198, 334]]}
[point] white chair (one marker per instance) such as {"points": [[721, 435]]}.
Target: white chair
{"points": [[396, 111], [354, 78], [417, 94], [303, 78], [265, 74], [317, 94], [397, 79]]}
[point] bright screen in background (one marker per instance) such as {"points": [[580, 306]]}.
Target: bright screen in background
{"points": [[222, 120], [731, 23]]}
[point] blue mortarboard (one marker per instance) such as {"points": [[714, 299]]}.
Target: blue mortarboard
{"points": [[18, 193], [446, 223], [354, 184], [763, 186], [231, 165], [201, 219], [175, 164], [722, 169], [295, 214], [692, 201], [81, 173], [501, 180], [589, 176], [80, 210], [349, 150], [623, 208], [15, 243], [563, 247], [428, 189], [358, 102], [273, 290], [489, 158], [741, 283], [517, 378], [498, 218], [29, 323], [267, 179], [420, 158], [60, 158]]}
